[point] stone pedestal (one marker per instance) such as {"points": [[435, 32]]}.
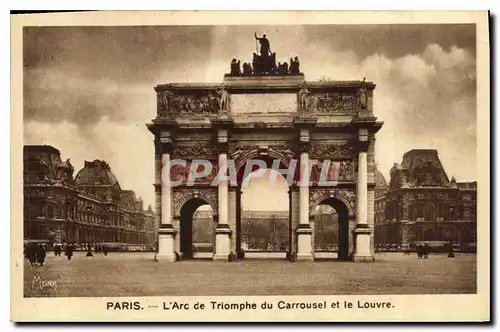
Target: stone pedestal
{"points": [[363, 251], [166, 244], [222, 242], [304, 243]]}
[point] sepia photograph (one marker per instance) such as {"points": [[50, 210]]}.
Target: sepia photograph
{"points": [[258, 168]]}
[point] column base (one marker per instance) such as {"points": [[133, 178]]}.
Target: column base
{"points": [[362, 252], [220, 257], [363, 259], [222, 243], [166, 258], [305, 257], [166, 243], [304, 246]]}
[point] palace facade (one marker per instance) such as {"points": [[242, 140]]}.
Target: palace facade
{"points": [[421, 204], [88, 208]]}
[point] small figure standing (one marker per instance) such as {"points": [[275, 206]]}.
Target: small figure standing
{"points": [[57, 250], [89, 250], [363, 98], [450, 250], [427, 250], [31, 253], [420, 251], [303, 98], [105, 250], [41, 254], [224, 99], [69, 251]]}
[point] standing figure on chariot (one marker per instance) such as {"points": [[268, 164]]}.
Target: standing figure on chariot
{"points": [[265, 49]]}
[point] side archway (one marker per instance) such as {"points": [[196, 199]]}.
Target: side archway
{"points": [[343, 207], [199, 237], [182, 195]]}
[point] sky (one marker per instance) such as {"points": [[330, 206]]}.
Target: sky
{"points": [[88, 91]]}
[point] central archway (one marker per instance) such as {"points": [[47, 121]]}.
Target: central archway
{"points": [[196, 229], [331, 223], [263, 222]]}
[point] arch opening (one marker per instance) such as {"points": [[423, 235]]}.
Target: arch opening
{"points": [[196, 229], [263, 222], [331, 228]]}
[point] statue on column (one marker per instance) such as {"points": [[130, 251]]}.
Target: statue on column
{"points": [[303, 98], [363, 98], [224, 99], [165, 103]]}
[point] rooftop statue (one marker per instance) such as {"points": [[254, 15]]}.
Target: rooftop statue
{"points": [[265, 48], [264, 62]]}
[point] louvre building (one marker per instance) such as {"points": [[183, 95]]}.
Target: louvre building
{"points": [[88, 208], [421, 204]]}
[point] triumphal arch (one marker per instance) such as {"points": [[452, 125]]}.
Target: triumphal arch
{"points": [[266, 112]]}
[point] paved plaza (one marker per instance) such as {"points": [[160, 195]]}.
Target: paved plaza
{"points": [[137, 274]]}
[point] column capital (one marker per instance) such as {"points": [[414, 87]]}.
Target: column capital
{"points": [[165, 145], [363, 141], [304, 147], [222, 147]]}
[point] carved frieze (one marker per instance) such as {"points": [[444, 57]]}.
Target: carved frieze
{"points": [[240, 153], [337, 171], [333, 103], [182, 195], [201, 103], [195, 152], [331, 151]]}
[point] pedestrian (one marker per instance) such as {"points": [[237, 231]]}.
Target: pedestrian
{"points": [[427, 251], [105, 250], [69, 251], [31, 253], [450, 250], [419, 251], [41, 254], [57, 250]]}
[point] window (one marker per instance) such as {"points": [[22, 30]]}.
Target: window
{"points": [[50, 211]]}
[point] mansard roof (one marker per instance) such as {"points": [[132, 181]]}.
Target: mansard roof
{"points": [[419, 168], [98, 173]]}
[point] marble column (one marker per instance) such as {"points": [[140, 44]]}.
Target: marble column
{"points": [[222, 232], [232, 207], [363, 252], [304, 231], [293, 196], [166, 232], [176, 224]]}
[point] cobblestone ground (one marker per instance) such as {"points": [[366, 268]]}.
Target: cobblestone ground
{"points": [[136, 274]]}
